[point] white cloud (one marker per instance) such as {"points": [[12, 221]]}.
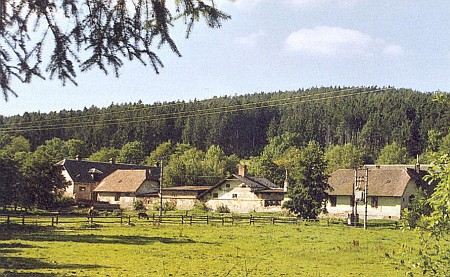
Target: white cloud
{"points": [[252, 39], [326, 40], [337, 41]]}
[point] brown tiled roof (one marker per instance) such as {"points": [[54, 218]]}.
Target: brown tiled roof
{"points": [[81, 170], [188, 188], [255, 183], [123, 180], [383, 181]]}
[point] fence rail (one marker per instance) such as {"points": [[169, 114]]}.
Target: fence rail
{"points": [[155, 219], [61, 220]]}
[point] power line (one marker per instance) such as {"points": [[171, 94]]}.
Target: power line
{"points": [[156, 106], [194, 113]]}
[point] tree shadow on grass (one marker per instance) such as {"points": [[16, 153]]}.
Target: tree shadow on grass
{"points": [[12, 264], [9, 265], [100, 239], [8, 248], [26, 274]]}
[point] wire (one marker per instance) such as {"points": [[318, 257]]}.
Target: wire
{"points": [[157, 106], [194, 113]]}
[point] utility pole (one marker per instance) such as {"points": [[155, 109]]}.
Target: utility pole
{"points": [[161, 169], [360, 190], [355, 203], [366, 188]]}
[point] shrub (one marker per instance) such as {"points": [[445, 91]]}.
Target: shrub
{"points": [[166, 206], [223, 209], [138, 205], [201, 207], [117, 212], [64, 202], [413, 214]]}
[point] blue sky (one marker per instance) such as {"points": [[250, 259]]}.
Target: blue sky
{"points": [[272, 45]]}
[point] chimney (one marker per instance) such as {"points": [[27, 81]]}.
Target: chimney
{"points": [[242, 170], [112, 161], [286, 182], [417, 166], [78, 157]]}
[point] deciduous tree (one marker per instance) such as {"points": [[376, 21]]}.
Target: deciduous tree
{"points": [[344, 156], [307, 194], [393, 154]]}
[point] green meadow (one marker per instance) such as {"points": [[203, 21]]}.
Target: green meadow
{"points": [[311, 249]]}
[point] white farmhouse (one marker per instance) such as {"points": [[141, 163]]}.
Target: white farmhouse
{"points": [[244, 194], [124, 185], [390, 190]]}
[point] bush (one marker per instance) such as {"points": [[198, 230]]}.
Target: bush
{"points": [[416, 210], [138, 205], [166, 206], [201, 207], [223, 209], [117, 212], [64, 202]]}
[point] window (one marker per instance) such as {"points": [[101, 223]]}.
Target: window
{"points": [[374, 201], [333, 200], [117, 197], [215, 195], [268, 203], [227, 186], [81, 188], [234, 195]]}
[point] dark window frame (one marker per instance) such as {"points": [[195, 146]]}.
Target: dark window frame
{"points": [[374, 201], [333, 200]]}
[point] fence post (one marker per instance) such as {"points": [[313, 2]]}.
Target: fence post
{"points": [[23, 220], [207, 220], [182, 219], [223, 220], [57, 219], [273, 220], [53, 221], [252, 221], [121, 220], [129, 220], [7, 219], [190, 220]]}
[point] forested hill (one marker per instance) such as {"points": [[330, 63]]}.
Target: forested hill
{"points": [[370, 117]]}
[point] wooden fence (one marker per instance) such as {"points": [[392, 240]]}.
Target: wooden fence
{"points": [[63, 220], [221, 219], [155, 219]]}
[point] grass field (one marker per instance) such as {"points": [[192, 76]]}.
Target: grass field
{"points": [[205, 250]]}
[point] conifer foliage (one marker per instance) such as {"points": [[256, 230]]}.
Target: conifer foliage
{"points": [[90, 33]]}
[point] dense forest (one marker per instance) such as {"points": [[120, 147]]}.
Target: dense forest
{"points": [[308, 133], [368, 117]]}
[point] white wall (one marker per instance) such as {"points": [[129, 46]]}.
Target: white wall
{"points": [[388, 207], [125, 202], [245, 202]]}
